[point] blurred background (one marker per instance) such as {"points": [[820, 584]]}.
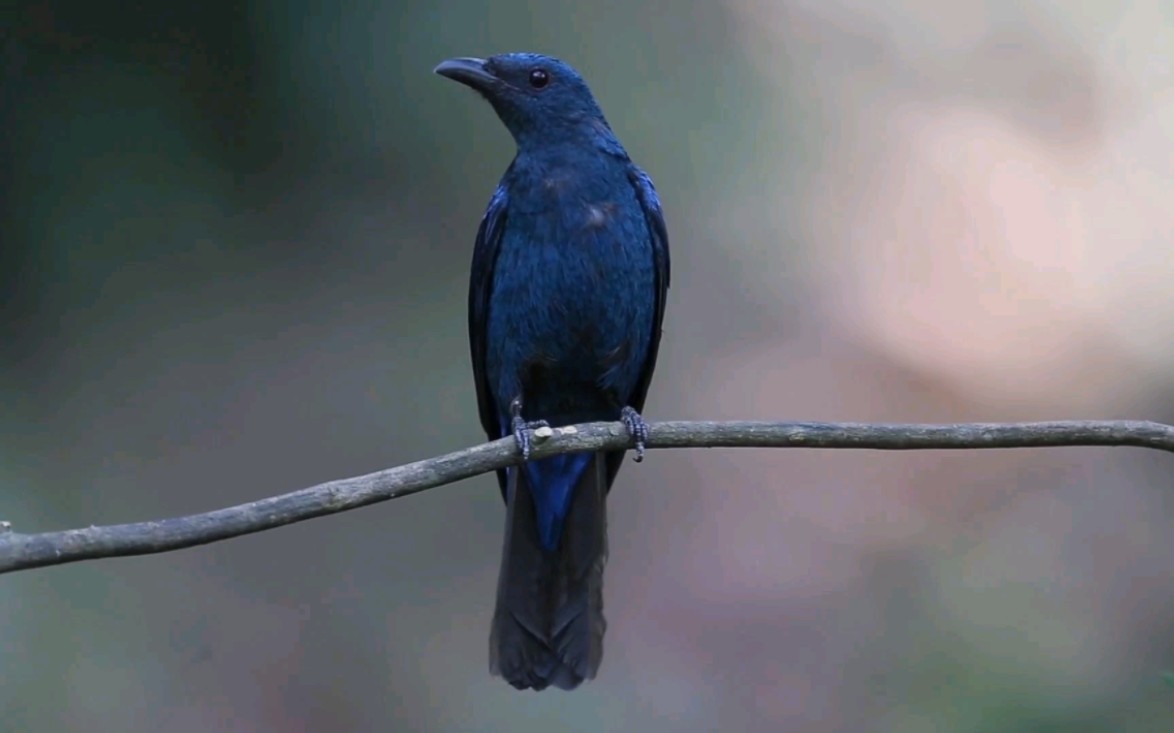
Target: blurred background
{"points": [[234, 250]]}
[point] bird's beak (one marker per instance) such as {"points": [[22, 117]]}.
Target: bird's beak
{"points": [[468, 71]]}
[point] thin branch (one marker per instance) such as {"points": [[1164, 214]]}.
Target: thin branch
{"points": [[23, 551]]}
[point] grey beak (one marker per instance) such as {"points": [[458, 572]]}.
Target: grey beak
{"points": [[468, 71]]}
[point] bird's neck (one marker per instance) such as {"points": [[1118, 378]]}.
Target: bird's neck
{"points": [[570, 142]]}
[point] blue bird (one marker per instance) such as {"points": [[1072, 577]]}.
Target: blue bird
{"points": [[566, 299]]}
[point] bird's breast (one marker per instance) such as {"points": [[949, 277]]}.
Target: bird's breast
{"points": [[573, 295]]}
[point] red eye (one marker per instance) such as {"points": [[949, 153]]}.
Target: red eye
{"points": [[539, 78]]}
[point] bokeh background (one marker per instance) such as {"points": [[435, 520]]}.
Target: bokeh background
{"points": [[234, 246]]}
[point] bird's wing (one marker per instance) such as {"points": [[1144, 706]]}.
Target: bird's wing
{"points": [[659, 237], [485, 250], [658, 234]]}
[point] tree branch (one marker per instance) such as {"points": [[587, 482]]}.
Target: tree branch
{"points": [[23, 551]]}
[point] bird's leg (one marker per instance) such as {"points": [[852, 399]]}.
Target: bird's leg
{"points": [[521, 429], [637, 428]]}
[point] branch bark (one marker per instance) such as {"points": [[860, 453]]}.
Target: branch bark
{"points": [[23, 551]]}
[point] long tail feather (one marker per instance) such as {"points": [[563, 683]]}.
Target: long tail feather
{"points": [[548, 625]]}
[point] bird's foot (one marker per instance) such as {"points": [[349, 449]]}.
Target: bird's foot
{"points": [[522, 430], [637, 428]]}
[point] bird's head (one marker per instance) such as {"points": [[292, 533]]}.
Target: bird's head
{"points": [[538, 98]]}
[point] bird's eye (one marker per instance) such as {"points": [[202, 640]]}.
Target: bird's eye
{"points": [[539, 78]]}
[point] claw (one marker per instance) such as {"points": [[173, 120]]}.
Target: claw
{"points": [[637, 428], [522, 429]]}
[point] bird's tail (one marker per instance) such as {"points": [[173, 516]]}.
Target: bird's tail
{"points": [[548, 625]]}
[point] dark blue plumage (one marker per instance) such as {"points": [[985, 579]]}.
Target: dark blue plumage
{"points": [[566, 300]]}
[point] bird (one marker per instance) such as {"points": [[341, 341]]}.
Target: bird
{"points": [[567, 293]]}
